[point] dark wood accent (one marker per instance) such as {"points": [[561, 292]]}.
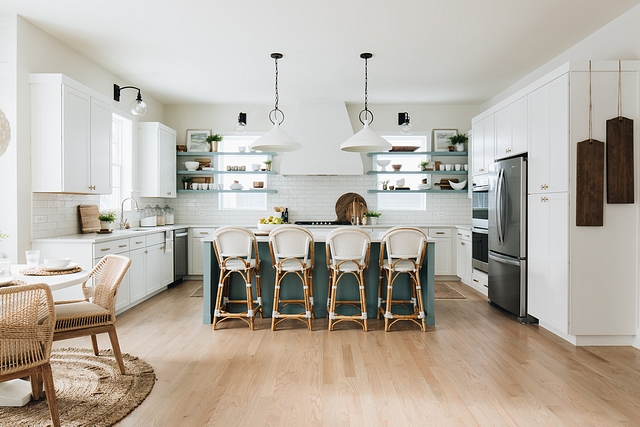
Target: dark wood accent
{"points": [[344, 206], [620, 176], [590, 183], [89, 222]]}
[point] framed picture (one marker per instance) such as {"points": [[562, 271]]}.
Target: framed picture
{"points": [[441, 139], [197, 139]]}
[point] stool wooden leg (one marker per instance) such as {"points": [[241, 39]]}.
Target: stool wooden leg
{"points": [[219, 298], [387, 314], [307, 298], [250, 312], [276, 300], [416, 277], [312, 301], [380, 310], [259, 293], [363, 300], [332, 298]]}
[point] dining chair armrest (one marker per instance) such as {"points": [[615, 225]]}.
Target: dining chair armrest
{"points": [[88, 292], [69, 301]]}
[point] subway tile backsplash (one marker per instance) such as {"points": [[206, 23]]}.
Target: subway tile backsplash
{"points": [[307, 197]]}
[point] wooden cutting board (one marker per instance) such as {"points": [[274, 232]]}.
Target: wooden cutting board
{"points": [[89, 222], [344, 206], [620, 173], [590, 184]]}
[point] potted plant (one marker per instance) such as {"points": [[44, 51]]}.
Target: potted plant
{"points": [[186, 181], [424, 165], [459, 141], [213, 140], [268, 164], [106, 219], [372, 217]]}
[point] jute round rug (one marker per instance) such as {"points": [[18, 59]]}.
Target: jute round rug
{"points": [[89, 389]]}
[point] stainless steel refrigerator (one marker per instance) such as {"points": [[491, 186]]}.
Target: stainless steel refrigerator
{"points": [[508, 236]]}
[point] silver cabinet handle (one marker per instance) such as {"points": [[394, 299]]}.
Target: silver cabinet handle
{"points": [[105, 249], [139, 243], [122, 246]]}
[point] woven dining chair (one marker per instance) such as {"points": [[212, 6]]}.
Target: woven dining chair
{"points": [[402, 251], [27, 319], [96, 313]]}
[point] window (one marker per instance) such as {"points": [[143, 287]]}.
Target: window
{"points": [[237, 199], [121, 163], [410, 162]]}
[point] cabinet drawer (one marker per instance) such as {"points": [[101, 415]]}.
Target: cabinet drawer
{"points": [[155, 239], [111, 247], [137, 242], [464, 234], [202, 232], [439, 232]]}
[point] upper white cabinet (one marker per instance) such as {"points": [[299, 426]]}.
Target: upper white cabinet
{"points": [[511, 129], [70, 137], [549, 137], [157, 154], [483, 145]]}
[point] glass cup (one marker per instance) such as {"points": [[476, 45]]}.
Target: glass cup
{"points": [[33, 258], [5, 267]]}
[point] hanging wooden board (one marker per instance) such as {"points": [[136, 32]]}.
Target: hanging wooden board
{"points": [[590, 183], [620, 176]]}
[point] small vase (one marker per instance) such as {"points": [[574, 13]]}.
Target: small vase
{"points": [[384, 186], [451, 148], [459, 147], [373, 220], [268, 167]]}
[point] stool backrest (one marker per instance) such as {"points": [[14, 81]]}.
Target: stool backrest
{"points": [[291, 241], [348, 243], [235, 242], [403, 243]]}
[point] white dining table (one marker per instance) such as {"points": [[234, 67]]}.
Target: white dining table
{"points": [[18, 392]]}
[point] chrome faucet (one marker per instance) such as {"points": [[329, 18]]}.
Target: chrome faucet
{"points": [[123, 223]]}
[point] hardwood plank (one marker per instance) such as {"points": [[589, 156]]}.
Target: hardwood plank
{"points": [[476, 367]]}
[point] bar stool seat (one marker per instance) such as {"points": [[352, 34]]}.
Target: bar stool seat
{"points": [[236, 250], [347, 251], [292, 253], [402, 251]]}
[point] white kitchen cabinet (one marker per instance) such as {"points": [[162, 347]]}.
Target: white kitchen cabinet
{"points": [[548, 259], [137, 270], [511, 129], [444, 261], [480, 281], [549, 137], [463, 255], [155, 260], [70, 137], [196, 249], [483, 145], [157, 160]]}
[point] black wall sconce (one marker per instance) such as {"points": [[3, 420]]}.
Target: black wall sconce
{"points": [[241, 126], [405, 123], [138, 107]]}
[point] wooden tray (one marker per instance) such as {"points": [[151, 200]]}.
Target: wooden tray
{"points": [[344, 206]]}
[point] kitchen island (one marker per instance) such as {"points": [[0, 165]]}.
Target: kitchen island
{"points": [[321, 278]]}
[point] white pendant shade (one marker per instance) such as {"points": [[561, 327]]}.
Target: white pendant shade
{"points": [[366, 141], [276, 140], [5, 133]]}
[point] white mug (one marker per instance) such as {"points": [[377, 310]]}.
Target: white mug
{"points": [[465, 167], [458, 166], [448, 166], [194, 185], [212, 186], [441, 167]]}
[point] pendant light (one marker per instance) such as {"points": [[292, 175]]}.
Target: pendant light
{"points": [[276, 139], [366, 140], [5, 133]]}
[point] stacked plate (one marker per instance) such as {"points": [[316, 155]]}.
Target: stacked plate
{"points": [[58, 264]]}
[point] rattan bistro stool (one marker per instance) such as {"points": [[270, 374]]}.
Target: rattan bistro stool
{"points": [[347, 254], [292, 252], [405, 249], [236, 250]]}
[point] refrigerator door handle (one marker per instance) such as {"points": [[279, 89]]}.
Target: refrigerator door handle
{"points": [[499, 196], [504, 260]]}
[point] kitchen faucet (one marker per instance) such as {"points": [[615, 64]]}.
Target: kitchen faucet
{"points": [[123, 223]]}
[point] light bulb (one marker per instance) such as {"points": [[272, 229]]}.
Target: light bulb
{"points": [[241, 128], [138, 107], [406, 129]]}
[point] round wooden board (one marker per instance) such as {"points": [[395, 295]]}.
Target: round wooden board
{"points": [[344, 205]]}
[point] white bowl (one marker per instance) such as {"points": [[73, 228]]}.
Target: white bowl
{"points": [[236, 186], [56, 262], [383, 163], [267, 227], [424, 186], [242, 148], [458, 185], [400, 182], [191, 166]]}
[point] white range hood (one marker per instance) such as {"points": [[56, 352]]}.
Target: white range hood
{"points": [[321, 126]]}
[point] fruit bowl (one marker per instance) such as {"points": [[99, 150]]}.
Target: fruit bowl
{"points": [[267, 227], [458, 185]]}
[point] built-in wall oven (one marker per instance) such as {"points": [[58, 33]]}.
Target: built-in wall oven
{"points": [[480, 223]]}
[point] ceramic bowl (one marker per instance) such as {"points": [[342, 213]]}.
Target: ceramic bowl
{"points": [[424, 186], [383, 163], [258, 184], [242, 148], [396, 167], [236, 186], [458, 185], [267, 227], [56, 262], [400, 182], [191, 166]]}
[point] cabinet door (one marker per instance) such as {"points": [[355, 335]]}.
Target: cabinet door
{"points": [[489, 142], [503, 132], [122, 300], [519, 126], [167, 267], [477, 148], [76, 159], [196, 249], [443, 259], [167, 162], [463, 264], [538, 256], [157, 160], [137, 275], [154, 268], [100, 151]]}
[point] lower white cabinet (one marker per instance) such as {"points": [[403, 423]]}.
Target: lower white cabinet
{"points": [[463, 255], [480, 281], [137, 275], [196, 249], [445, 262]]}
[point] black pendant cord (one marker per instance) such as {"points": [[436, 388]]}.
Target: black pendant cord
{"points": [[366, 111], [276, 110]]}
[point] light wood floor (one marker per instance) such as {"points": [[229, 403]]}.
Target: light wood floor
{"points": [[476, 367]]}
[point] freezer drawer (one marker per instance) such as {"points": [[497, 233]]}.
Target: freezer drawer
{"points": [[508, 283]]}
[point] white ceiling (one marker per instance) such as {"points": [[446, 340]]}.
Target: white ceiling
{"points": [[217, 51]]}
